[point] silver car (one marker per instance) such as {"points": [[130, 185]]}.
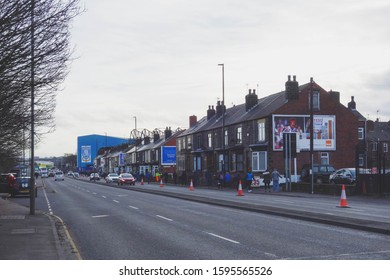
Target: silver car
{"points": [[112, 178]]}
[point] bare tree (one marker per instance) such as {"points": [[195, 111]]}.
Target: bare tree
{"points": [[52, 55]]}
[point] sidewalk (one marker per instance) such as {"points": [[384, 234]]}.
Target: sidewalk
{"points": [[31, 237]]}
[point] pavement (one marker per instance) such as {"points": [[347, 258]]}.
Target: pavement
{"points": [[44, 236]]}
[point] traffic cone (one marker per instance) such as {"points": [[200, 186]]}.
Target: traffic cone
{"points": [[142, 181], [161, 183], [239, 192], [343, 199], [191, 186]]}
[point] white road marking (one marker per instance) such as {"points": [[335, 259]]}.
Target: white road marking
{"points": [[224, 238], [165, 218], [48, 203], [116, 201], [94, 193], [100, 216], [104, 196], [133, 207]]}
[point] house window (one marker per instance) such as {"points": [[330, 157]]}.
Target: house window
{"points": [[199, 138], [261, 128], [179, 144], [324, 158], [361, 133], [210, 140], [374, 146], [226, 138], [259, 161], [197, 163], [239, 135], [385, 147], [361, 160], [316, 101], [189, 144]]}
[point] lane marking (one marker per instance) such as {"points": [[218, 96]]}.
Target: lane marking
{"points": [[47, 202], [116, 201], [133, 207], [94, 193], [165, 218], [104, 196], [100, 216], [223, 238]]}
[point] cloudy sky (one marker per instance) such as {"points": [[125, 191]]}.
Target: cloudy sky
{"points": [[158, 60]]}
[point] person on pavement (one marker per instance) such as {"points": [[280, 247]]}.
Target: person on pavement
{"points": [[267, 181], [249, 179], [275, 180]]}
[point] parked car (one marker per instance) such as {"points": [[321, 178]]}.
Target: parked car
{"points": [[321, 173], [59, 176], [343, 176], [126, 178], [76, 175], [112, 178], [94, 177]]}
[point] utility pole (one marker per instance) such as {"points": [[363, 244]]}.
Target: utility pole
{"points": [[32, 170], [223, 116], [311, 137]]}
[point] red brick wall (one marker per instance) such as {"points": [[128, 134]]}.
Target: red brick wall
{"points": [[346, 131]]}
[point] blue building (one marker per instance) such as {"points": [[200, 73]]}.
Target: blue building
{"points": [[89, 145]]}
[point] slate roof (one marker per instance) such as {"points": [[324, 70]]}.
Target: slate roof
{"points": [[381, 131]]}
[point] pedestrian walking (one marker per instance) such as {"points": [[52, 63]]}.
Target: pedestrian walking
{"points": [[221, 180], [275, 180], [249, 179], [228, 179], [267, 181]]}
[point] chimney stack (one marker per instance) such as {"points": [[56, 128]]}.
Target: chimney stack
{"points": [[193, 120], [352, 104], [292, 88], [250, 100]]}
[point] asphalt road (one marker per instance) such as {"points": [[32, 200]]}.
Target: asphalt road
{"points": [[113, 223]]}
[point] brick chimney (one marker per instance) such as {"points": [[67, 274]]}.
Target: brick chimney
{"points": [[250, 100], [292, 88], [352, 104], [193, 120]]}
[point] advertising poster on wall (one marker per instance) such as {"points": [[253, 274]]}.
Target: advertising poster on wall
{"points": [[324, 131], [86, 156], [168, 155]]}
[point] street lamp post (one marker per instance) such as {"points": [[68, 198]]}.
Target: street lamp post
{"points": [[135, 134], [32, 169], [223, 116]]}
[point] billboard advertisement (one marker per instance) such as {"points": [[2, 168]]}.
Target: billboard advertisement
{"points": [[324, 131], [168, 155], [86, 156]]}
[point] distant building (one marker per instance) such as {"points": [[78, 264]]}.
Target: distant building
{"points": [[88, 147], [249, 136]]}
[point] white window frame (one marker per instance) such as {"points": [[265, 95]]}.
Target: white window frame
{"points": [[259, 161], [239, 135], [361, 133], [210, 139], [324, 158], [261, 130]]}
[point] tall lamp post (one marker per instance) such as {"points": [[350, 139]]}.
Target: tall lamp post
{"points": [[32, 170], [135, 134], [223, 116]]}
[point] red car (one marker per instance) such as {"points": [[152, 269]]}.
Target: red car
{"points": [[126, 178]]}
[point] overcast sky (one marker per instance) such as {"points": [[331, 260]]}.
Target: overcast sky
{"points": [[158, 60]]}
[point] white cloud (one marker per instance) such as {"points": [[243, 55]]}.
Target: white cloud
{"points": [[157, 60]]}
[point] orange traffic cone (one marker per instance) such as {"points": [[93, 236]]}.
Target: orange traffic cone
{"points": [[142, 181], [343, 199], [239, 192], [161, 183], [191, 186]]}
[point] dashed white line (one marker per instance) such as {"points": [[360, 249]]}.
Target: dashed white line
{"points": [[100, 216], [165, 218], [224, 238], [116, 201], [48, 202], [104, 196], [133, 207]]}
